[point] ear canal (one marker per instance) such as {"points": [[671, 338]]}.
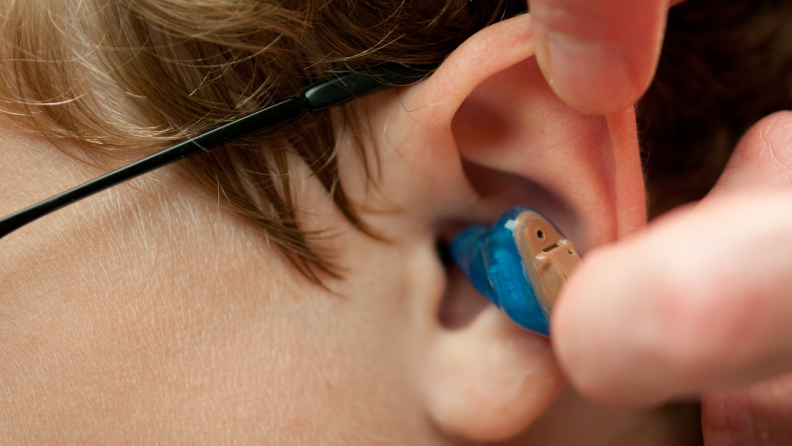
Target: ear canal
{"points": [[518, 263]]}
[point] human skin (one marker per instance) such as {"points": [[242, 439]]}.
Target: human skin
{"points": [[699, 303], [148, 314], [599, 56], [681, 298]]}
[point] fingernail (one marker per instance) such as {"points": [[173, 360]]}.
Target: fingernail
{"points": [[593, 77]]}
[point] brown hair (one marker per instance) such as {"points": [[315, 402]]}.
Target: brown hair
{"points": [[172, 69], [724, 66]]}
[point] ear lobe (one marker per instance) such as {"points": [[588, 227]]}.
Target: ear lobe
{"points": [[488, 381]]}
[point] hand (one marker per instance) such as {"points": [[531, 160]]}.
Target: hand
{"points": [[698, 303], [599, 56]]}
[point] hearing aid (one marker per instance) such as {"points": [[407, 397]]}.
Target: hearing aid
{"points": [[519, 263]]}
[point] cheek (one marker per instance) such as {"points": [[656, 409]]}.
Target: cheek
{"points": [[191, 327], [283, 359]]}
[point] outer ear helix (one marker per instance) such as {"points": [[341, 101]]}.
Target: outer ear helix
{"points": [[442, 93], [519, 263]]}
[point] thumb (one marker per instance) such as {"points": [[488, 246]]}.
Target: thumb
{"points": [[599, 56]]}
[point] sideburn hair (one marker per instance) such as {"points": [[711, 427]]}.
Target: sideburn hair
{"points": [[139, 75]]}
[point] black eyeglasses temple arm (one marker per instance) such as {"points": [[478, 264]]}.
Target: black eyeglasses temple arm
{"points": [[343, 88]]}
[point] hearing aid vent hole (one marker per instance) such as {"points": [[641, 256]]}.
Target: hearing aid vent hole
{"points": [[540, 234]]}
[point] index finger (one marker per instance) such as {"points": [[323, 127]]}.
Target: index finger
{"points": [[700, 301]]}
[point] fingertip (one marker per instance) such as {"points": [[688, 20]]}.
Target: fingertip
{"points": [[592, 77], [686, 306], [578, 341], [598, 336], [598, 57]]}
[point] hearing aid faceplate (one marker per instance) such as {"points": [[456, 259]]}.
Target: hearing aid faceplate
{"points": [[519, 263], [548, 256]]}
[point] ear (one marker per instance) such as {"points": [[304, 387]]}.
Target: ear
{"points": [[482, 134]]}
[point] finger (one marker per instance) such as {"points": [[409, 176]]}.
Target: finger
{"points": [[599, 56], [702, 300], [758, 415], [762, 160]]}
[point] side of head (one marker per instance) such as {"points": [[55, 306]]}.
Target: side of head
{"points": [[163, 309]]}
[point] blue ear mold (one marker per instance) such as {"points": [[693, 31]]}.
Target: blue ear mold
{"points": [[502, 263]]}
